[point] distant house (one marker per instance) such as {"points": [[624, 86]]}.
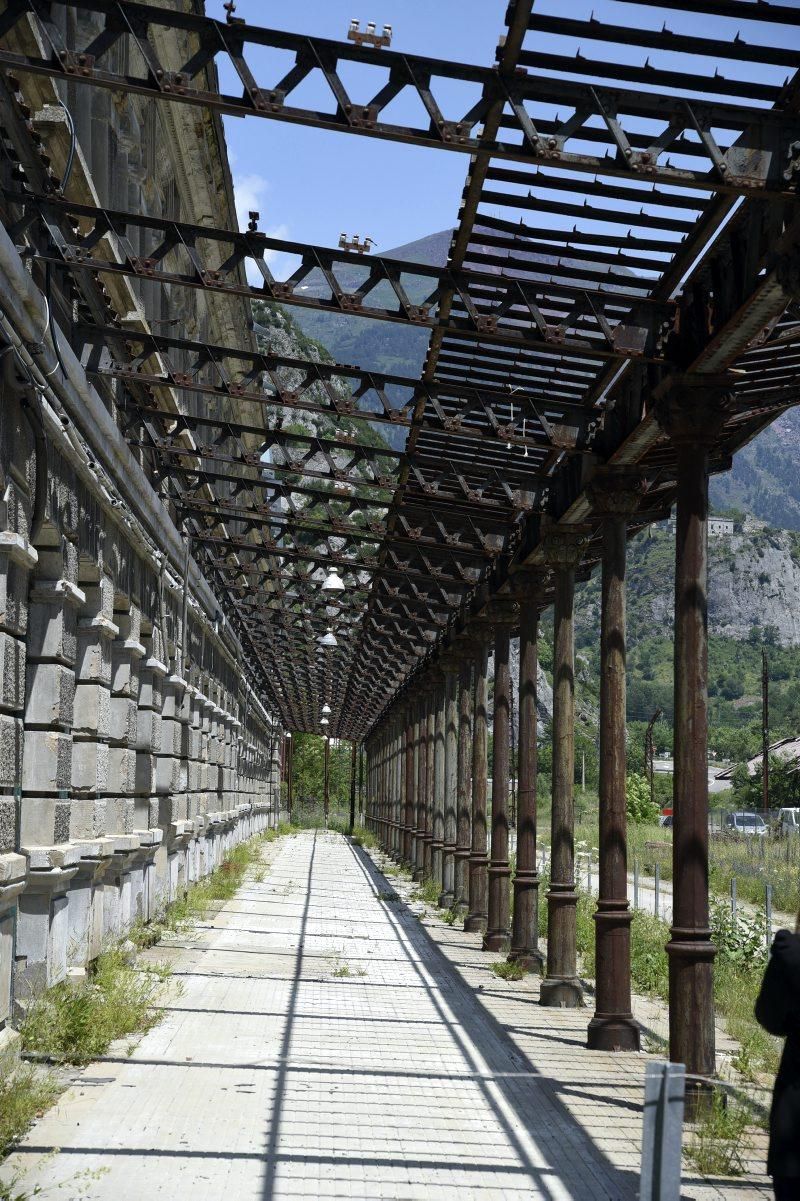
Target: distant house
{"points": [[720, 527], [787, 749]]}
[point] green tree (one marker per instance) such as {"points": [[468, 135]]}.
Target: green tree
{"points": [[637, 797]]}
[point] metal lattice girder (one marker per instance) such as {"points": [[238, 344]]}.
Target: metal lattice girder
{"points": [[320, 519], [442, 481], [236, 373], [437, 562], [603, 323], [750, 160]]}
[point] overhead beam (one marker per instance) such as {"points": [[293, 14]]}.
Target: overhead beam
{"points": [[531, 140]]}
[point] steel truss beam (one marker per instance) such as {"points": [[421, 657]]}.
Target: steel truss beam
{"points": [[445, 481], [608, 115], [259, 517], [602, 324], [447, 570], [449, 408]]}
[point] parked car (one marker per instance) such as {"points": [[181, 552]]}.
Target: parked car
{"points": [[789, 821], [746, 823]]}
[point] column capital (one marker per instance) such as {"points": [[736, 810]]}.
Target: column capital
{"points": [[563, 546], [529, 583], [691, 409], [503, 613], [614, 493]]}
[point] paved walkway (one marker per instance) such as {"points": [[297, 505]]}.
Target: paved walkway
{"points": [[329, 1043]]}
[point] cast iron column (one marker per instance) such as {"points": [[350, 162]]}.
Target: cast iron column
{"points": [[525, 923], [289, 774], [447, 895], [326, 792], [612, 1028], [562, 986], [464, 795], [422, 766], [497, 936], [430, 778], [691, 410], [353, 753], [475, 920], [438, 783], [409, 783]]}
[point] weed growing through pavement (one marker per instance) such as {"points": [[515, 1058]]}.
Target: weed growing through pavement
{"points": [[719, 1142], [508, 969], [79, 1184], [24, 1094], [342, 970], [76, 1021]]}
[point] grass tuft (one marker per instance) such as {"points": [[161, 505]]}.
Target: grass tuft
{"points": [[508, 969], [24, 1094], [719, 1142], [75, 1022]]}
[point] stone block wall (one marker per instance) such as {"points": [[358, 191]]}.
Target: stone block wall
{"points": [[132, 753]]}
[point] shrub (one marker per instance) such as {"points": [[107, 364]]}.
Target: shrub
{"points": [[637, 795]]}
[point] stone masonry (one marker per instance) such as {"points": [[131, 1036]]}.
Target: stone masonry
{"points": [[134, 751]]}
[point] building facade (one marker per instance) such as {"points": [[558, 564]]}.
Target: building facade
{"points": [[134, 750]]}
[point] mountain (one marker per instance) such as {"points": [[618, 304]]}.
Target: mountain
{"points": [[765, 480]]}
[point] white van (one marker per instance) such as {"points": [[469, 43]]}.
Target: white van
{"points": [[789, 821]]}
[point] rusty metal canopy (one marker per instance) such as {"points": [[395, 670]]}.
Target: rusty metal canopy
{"points": [[628, 213]]}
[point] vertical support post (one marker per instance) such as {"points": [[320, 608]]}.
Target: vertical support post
{"points": [[352, 787], [764, 732], [361, 784], [525, 924], [430, 781], [691, 410], [409, 783], [498, 936], [612, 1027], [464, 795], [562, 986], [290, 774], [475, 921], [662, 1127], [447, 895], [438, 784], [326, 803], [422, 788]]}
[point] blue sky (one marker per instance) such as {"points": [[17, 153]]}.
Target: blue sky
{"points": [[311, 185]]}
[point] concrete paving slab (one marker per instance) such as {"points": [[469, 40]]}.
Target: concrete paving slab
{"points": [[328, 1043]]}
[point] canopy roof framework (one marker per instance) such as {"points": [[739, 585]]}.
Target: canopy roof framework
{"points": [[628, 214]]}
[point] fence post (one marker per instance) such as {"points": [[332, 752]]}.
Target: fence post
{"points": [[636, 883], [768, 912], [657, 890], [733, 897], [664, 1091]]}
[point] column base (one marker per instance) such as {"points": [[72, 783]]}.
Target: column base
{"points": [[617, 1032], [418, 875], [497, 940], [446, 900], [475, 923], [561, 992], [530, 961]]}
